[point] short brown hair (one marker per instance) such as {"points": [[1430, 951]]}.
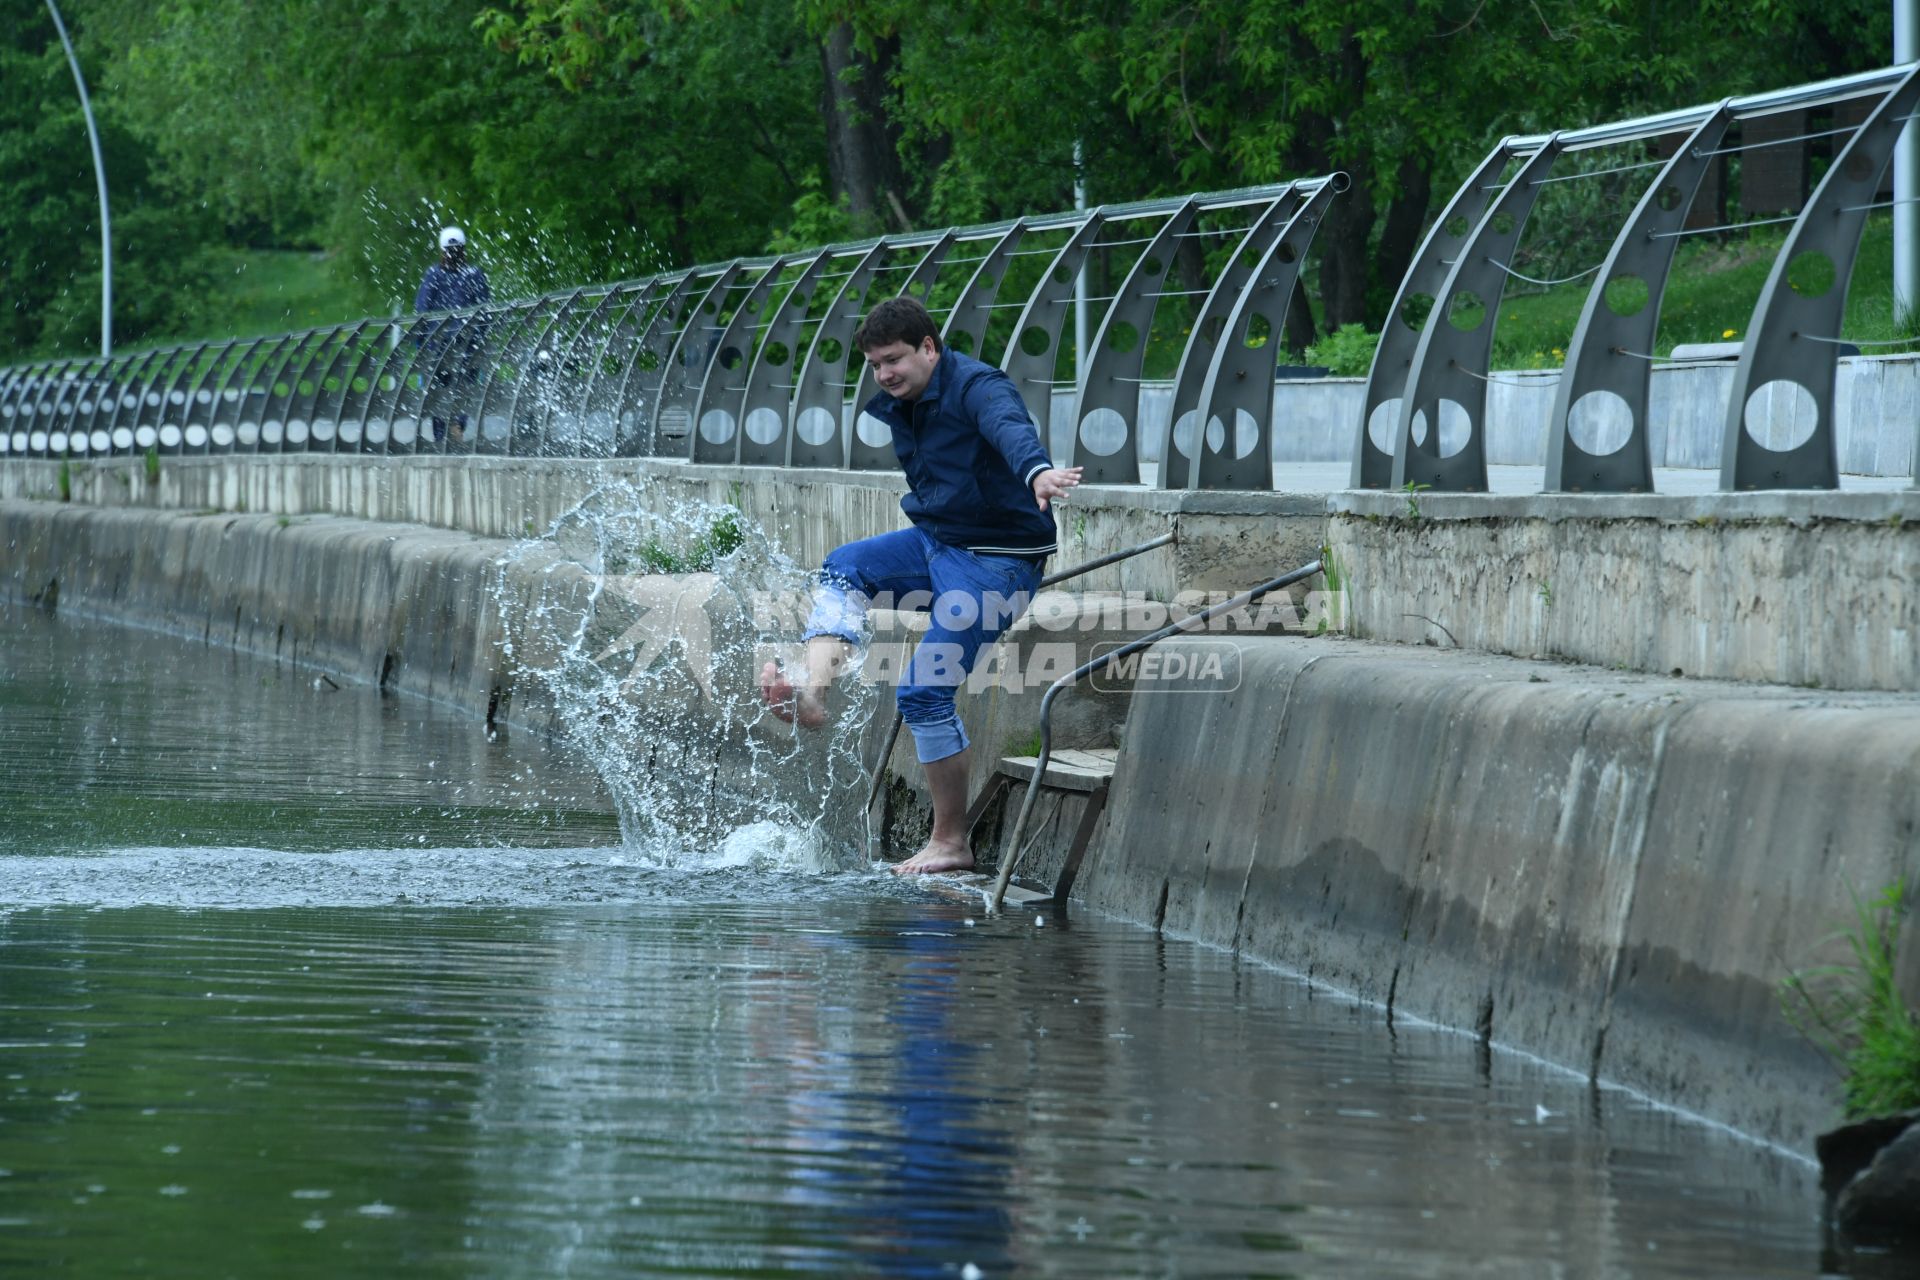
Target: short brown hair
{"points": [[900, 319]]}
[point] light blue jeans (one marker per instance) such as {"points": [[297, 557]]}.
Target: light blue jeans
{"points": [[970, 599]]}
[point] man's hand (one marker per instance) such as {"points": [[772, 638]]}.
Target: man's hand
{"points": [[1052, 484]]}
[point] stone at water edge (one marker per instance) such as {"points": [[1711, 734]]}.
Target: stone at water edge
{"points": [[1870, 1172]]}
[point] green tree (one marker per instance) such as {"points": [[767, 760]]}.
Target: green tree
{"points": [[50, 213]]}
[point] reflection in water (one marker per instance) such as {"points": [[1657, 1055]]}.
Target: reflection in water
{"points": [[421, 1030]]}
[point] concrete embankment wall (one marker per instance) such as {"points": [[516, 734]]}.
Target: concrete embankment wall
{"points": [[1612, 871]]}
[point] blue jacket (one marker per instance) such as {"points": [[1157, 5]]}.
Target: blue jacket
{"points": [[970, 451], [444, 290]]}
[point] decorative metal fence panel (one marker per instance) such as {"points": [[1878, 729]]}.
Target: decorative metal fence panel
{"points": [[1425, 411], [749, 361]]}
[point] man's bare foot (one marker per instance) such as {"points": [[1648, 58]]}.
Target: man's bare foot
{"points": [[804, 706], [935, 857]]}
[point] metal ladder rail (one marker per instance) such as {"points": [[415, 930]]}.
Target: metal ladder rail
{"points": [[1190, 623], [1052, 579]]}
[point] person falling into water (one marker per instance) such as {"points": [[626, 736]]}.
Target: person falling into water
{"points": [[980, 485]]}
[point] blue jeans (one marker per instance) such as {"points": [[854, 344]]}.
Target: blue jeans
{"points": [[971, 600]]}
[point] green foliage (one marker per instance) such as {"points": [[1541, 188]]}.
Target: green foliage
{"points": [[1413, 489], [1854, 1011], [152, 463], [1336, 580], [721, 538], [599, 139], [1347, 352], [66, 481]]}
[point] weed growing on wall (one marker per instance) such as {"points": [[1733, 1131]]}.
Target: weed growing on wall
{"points": [[1854, 1012]]}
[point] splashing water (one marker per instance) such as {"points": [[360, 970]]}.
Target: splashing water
{"points": [[522, 256], [643, 620]]}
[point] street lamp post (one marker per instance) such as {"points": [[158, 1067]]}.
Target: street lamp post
{"points": [[100, 177]]}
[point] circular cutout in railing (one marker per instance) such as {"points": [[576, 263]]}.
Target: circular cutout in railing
{"points": [[86, 406], [1501, 223], [101, 441], [1600, 422], [1122, 337], [231, 394], [764, 426], [406, 431], [1061, 275], [37, 442], [60, 442], [1467, 311], [176, 397], [1415, 311], [960, 340], [247, 433], [1152, 267], [1457, 225], [145, 437], [730, 358], [1035, 340], [6, 410], [123, 437], [872, 432], [1668, 198], [1781, 415], [1456, 427], [716, 426], [1382, 423], [1246, 434], [1810, 274], [153, 399], [270, 432], [323, 429], [815, 426], [19, 442], [222, 436], [1259, 331], [376, 431], [1186, 431], [775, 354], [1103, 432], [1626, 295], [169, 436], [830, 351], [202, 396]]}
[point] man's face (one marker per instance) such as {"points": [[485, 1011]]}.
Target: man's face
{"points": [[903, 371]]}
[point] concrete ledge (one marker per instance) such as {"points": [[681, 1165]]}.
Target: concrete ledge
{"points": [[1611, 871], [1800, 506], [1227, 539], [1804, 589]]}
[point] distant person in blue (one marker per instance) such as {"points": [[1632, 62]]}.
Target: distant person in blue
{"points": [[979, 488], [449, 285]]}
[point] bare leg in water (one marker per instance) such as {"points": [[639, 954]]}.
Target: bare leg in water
{"points": [[805, 704]]}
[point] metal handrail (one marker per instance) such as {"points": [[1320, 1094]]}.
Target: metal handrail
{"points": [[1189, 623], [1053, 579]]}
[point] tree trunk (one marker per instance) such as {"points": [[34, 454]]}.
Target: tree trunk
{"points": [[1400, 238], [863, 157]]}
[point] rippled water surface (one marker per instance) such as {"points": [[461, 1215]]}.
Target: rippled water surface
{"points": [[300, 983]]}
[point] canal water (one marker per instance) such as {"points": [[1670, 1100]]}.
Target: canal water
{"points": [[312, 982]]}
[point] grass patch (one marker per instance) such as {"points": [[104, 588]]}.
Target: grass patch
{"points": [[1710, 298], [267, 291], [1854, 1012]]}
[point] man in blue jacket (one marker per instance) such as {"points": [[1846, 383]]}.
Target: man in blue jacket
{"points": [[452, 284], [979, 488]]}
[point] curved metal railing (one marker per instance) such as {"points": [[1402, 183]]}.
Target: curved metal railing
{"points": [[748, 361]]}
